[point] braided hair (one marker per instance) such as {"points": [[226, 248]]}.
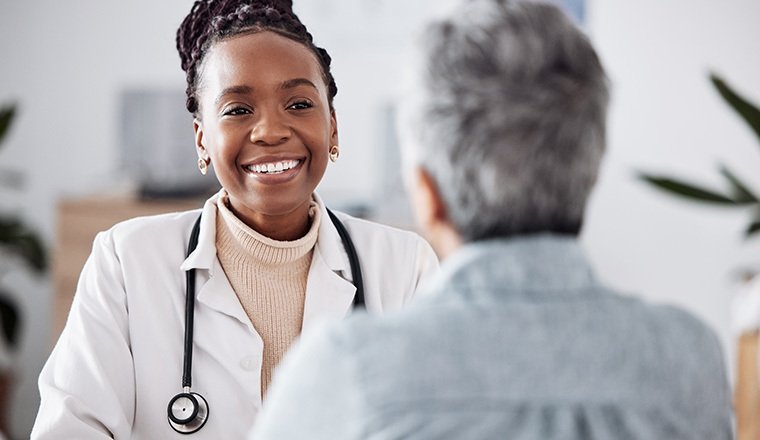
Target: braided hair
{"points": [[210, 21]]}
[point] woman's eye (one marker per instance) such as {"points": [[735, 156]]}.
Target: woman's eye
{"points": [[300, 105], [236, 111]]}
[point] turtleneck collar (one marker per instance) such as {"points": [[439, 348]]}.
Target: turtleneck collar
{"points": [[234, 235]]}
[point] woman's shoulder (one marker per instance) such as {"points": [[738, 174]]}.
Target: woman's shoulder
{"points": [[156, 227], [144, 245]]}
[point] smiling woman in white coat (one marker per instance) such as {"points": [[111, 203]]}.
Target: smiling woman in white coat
{"points": [[269, 261]]}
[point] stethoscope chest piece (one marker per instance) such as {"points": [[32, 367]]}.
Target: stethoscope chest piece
{"points": [[187, 412]]}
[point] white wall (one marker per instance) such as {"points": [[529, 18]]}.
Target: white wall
{"points": [[667, 118], [66, 62]]}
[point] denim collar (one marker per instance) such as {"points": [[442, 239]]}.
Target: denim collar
{"points": [[529, 265]]}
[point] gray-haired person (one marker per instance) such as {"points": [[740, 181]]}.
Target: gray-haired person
{"points": [[516, 338]]}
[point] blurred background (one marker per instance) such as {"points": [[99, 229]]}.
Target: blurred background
{"points": [[100, 121]]}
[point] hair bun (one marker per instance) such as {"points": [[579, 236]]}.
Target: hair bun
{"points": [[282, 5]]}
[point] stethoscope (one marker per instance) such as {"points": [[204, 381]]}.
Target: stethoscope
{"points": [[188, 411]]}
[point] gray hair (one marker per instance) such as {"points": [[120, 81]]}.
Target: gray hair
{"points": [[509, 118]]}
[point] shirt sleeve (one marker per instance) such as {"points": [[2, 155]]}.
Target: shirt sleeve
{"points": [[87, 384], [314, 393]]}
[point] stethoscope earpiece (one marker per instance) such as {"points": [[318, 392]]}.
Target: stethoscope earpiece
{"points": [[187, 412]]}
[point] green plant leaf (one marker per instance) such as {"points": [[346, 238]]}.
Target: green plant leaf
{"points": [[687, 190], [23, 242], [748, 111], [753, 228], [10, 319], [6, 116], [740, 192]]}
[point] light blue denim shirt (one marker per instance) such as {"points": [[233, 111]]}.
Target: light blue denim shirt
{"points": [[515, 340]]}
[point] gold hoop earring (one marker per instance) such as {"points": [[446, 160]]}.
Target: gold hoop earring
{"points": [[202, 165], [334, 153]]}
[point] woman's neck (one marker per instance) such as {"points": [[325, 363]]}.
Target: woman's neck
{"points": [[285, 227]]}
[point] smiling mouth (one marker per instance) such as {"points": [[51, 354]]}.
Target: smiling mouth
{"points": [[273, 167]]}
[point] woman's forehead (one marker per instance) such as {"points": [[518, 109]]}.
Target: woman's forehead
{"points": [[264, 57]]}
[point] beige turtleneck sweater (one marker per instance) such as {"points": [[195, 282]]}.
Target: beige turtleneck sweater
{"points": [[269, 278]]}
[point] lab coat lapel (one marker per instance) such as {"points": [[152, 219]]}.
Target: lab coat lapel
{"points": [[212, 287], [217, 294], [328, 294]]}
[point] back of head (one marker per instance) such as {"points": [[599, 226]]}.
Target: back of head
{"points": [[509, 118], [210, 21]]}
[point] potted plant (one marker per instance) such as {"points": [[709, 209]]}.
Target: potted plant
{"points": [[18, 245], [747, 303], [738, 193]]}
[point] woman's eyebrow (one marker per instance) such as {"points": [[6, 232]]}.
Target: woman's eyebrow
{"points": [[291, 83], [244, 90], [233, 90]]}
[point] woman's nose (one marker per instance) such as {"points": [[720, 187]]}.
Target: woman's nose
{"points": [[269, 129]]}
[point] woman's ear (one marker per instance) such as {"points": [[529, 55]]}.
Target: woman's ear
{"points": [[200, 141], [333, 128]]}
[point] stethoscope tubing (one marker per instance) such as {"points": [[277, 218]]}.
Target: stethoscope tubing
{"points": [[189, 425], [187, 363]]}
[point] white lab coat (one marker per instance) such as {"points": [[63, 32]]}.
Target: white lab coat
{"points": [[118, 361]]}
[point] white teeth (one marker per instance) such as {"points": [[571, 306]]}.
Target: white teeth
{"points": [[274, 167]]}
